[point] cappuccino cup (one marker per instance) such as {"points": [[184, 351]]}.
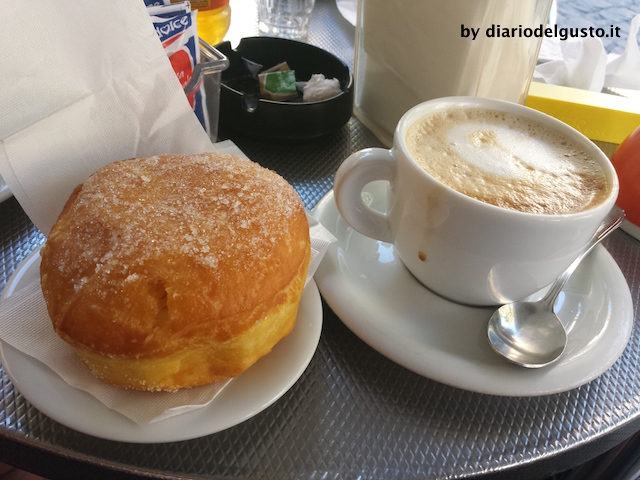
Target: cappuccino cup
{"points": [[489, 201]]}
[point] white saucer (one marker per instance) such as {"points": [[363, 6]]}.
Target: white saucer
{"points": [[247, 395], [4, 190], [371, 291]]}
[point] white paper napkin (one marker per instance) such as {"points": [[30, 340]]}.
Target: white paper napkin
{"points": [[86, 84], [348, 9], [83, 84], [583, 63], [623, 71]]}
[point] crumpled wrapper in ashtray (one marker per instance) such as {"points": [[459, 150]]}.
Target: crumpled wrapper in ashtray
{"points": [[78, 92]]}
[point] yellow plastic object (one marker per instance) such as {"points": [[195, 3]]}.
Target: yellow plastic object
{"points": [[599, 116], [213, 20]]}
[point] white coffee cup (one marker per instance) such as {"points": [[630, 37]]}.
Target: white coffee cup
{"points": [[459, 247]]}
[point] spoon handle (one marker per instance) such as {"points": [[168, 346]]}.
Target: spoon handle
{"points": [[612, 221]]}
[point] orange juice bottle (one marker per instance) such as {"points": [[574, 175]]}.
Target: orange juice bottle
{"points": [[214, 17]]}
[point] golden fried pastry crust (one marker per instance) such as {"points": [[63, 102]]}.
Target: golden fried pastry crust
{"points": [[177, 270]]}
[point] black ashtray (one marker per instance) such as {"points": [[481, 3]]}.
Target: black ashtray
{"points": [[242, 109]]}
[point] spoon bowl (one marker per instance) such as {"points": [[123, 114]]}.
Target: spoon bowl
{"points": [[530, 334]]}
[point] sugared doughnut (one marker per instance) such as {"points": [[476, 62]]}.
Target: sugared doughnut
{"points": [[177, 270]]}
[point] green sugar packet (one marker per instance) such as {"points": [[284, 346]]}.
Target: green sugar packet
{"points": [[279, 85]]}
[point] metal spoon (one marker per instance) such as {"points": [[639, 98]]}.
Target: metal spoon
{"points": [[529, 333]]}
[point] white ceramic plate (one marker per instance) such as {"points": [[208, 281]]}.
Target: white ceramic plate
{"points": [[247, 395], [4, 190], [368, 287]]}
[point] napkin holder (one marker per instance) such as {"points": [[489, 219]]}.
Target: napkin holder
{"points": [[207, 74]]}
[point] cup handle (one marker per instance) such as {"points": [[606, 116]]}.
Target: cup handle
{"points": [[353, 175]]}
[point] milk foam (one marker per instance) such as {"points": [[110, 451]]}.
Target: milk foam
{"points": [[507, 161], [504, 151]]}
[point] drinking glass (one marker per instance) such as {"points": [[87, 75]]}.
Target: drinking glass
{"points": [[285, 18]]}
